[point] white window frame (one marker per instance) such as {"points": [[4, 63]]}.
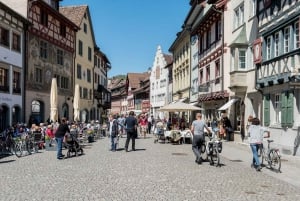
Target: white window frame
{"points": [[297, 36], [276, 44], [240, 57], [268, 48], [287, 38], [253, 8], [277, 108], [239, 16]]}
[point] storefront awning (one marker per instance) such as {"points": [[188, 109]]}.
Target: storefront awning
{"points": [[228, 104], [194, 103]]}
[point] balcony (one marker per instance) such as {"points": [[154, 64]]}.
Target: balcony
{"points": [[103, 97], [238, 81]]}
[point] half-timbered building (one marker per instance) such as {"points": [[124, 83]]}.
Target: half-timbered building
{"points": [[277, 59]]}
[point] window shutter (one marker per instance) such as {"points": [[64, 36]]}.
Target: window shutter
{"points": [[287, 117], [267, 110], [290, 109], [283, 109]]}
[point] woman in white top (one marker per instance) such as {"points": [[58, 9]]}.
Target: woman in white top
{"points": [[256, 135]]}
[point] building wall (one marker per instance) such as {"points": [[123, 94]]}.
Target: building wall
{"points": [[278, 71], [86, 104], [181, 67], [11, 101], [11, 104], [158, 83], [21, 6]]}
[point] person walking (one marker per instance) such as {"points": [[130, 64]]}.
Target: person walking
{"points": [[256, 135], [197, 130], [60, 133], [143, 121], [149, 119], [121, 121], [113, 131], [131, 128]]}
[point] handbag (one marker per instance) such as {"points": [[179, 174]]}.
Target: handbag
{"points": [[229, 129]]}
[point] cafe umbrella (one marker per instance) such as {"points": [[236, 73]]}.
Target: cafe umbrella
{"points": [[76, 103], [53, 101]]}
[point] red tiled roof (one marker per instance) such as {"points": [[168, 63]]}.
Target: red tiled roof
{"points": [[74, 13], [134, 79]]}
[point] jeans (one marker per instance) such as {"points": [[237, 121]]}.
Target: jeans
{"points": [[59, 141], [198, 140], [113, 143], [254, 148]]}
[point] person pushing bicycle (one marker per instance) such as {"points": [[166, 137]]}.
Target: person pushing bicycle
{"points": [[197, 130], [256, 134]]}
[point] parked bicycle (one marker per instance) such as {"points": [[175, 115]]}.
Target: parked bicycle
{"points": [[25, 145], [271, 156], [7, 143]]}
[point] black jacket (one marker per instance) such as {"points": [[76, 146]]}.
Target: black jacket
{"points": [[62, 130]]}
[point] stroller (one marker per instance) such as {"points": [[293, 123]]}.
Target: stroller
{"points": [[72, 145], [159, 133]]}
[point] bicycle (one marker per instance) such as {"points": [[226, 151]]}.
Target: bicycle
{"points": [[271, 156], [211, 150], [25, 144]]}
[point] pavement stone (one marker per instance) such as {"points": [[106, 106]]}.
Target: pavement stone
{"points": [[153, 172]]}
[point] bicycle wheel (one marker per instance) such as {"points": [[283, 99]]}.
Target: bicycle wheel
{"points": [[203, 152], [31, 147], [18, 150], [261, 155], [275, 160], [215, 156]]}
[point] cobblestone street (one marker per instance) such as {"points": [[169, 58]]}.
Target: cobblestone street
{"points": [[153, 172]]}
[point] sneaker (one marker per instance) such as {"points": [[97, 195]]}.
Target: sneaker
{"points": [[258, 168]]}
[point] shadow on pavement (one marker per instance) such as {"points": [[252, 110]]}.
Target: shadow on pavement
{"points": [[8, 161]]}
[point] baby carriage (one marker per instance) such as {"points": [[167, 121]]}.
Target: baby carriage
{"points": [[72, 145], [159, 133]]}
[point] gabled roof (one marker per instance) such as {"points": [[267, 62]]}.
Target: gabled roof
{"points": [[76, 15], [116, 83], [168, 58], [134, 79]]}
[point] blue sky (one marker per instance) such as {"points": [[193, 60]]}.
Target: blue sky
{"points": [[129, 31]]}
